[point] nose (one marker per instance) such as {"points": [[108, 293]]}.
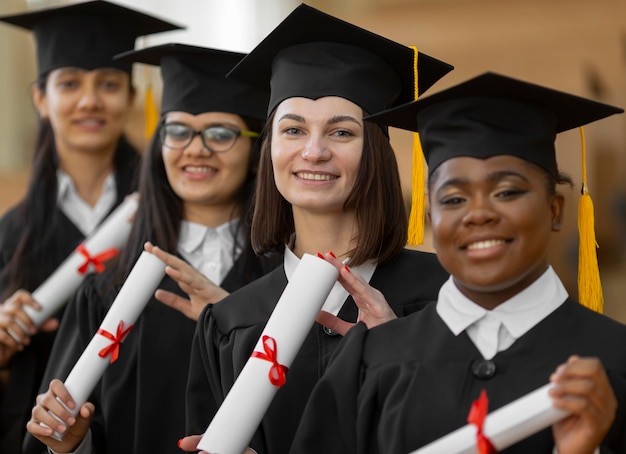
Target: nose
{"points": [[89, 98], [316, 149], [480, 211], [196, 147]]}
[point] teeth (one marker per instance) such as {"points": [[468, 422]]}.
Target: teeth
{"points": [[484, 244], [197, 169], [315, 176]]}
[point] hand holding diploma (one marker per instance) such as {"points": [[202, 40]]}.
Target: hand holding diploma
{"points": [[90, 256], [579, 404], [374, 309], [266, 370], [59, 406]]}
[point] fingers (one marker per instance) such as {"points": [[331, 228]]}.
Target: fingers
{"points": [[173, 300], [582, 388], [16, 327], [189, 444], [53, 410], [333, 322]]}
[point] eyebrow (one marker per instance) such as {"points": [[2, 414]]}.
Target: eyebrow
{"points": [[494, 176], [332, 120]]}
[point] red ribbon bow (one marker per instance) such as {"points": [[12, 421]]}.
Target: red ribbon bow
{"points": [[114, 348], [97, 260], [476, 416], [277, 371]]}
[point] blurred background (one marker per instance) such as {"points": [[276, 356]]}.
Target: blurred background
{"points": [[577, 46]]}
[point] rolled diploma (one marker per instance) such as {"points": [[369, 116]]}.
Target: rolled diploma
{"points": [[57, 289], [504, 427], [137, 290], [240, 414]]}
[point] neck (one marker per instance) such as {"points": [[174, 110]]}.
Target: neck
{"points": [[323, 233], [88, 171], [210, 216]]}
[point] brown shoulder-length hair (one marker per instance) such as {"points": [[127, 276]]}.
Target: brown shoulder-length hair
{"points": [[376, 198]]}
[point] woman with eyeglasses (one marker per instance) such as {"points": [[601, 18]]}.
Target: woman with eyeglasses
{"points": [[196, 191], [82, 168]]}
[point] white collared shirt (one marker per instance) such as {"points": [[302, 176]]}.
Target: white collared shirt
{"points": [[516, 316], [338, 294], [83, 216], [209, 249]]}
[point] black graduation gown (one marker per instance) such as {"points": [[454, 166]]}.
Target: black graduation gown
{"points": [[27, 367], [404, 384], [228, 332], [140, 400]]}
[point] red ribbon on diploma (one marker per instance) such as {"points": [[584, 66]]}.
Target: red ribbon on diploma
{"points": [[97, 261], [114, 348], [277, 371], [476, 416]]}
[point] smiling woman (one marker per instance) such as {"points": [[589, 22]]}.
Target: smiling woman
{"points": [[503, 323], [83, 167]]}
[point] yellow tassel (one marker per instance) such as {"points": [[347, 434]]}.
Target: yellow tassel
{"points": [[151, 112], [589, 285], [416, 217]]}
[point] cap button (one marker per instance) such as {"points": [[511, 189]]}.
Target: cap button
{"points": [[483, 368]]}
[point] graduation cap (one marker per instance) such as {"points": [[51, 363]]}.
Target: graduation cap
{"points": [[493, 115], [312, 54], [194, 80], [86, 35]]}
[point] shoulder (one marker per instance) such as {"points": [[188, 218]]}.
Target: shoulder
{"points": [[593, 322], [251, 304], [412, 263]]}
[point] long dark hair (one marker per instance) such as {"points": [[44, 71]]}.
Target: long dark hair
{"points": [[160, 211], [376, 198]]}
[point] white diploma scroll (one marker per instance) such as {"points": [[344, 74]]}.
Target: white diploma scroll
{"points": [[57, 289], [103, 348], [240, 414], [503, 427]]}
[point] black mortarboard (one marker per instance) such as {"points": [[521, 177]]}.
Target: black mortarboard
{"points": [[86, 35], [194, 80], [492, 115], [312, 54]]}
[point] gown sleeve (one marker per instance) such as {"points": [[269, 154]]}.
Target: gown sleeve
{"points": [[326, 426]]}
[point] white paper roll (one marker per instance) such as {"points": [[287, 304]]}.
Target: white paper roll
{"points": [[240, 414], [504, 427], [57, 289], [136, 292]]}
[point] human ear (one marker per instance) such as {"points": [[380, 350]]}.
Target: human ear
{"points": [[40, 102], [557, 207]]}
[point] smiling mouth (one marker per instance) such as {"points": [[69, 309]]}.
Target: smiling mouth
{"points": [[484, 244], [316, 176]]}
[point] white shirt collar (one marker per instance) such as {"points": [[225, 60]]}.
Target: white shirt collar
{"points": [[209, 249], [83, 216], [338, 294], [518, 314]]}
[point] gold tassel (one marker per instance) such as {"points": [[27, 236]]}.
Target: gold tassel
{"points": [[416, 217], [589, 285], [150, 111]]}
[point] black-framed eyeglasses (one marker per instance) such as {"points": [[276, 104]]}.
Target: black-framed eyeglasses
{"points": [[217, 139]]}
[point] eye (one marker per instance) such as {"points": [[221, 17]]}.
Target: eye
{"points": [[67, 83], [509, 193], [219, 134], [292, 131], [111, 85], [177, 131], [343, 133]]}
